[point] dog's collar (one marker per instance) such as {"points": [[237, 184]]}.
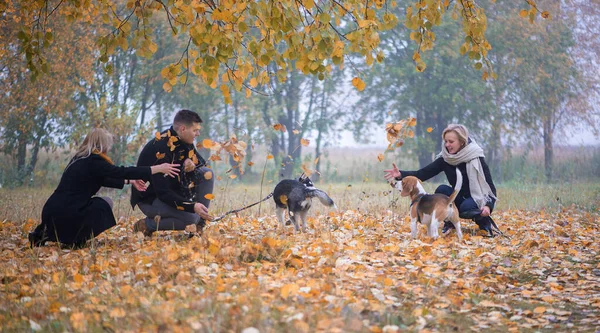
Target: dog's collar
{"points": [[417, 199]]}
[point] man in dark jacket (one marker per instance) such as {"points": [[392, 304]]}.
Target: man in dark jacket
{"points": [[174, 203]]}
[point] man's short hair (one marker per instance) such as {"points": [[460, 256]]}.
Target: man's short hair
{"points": [[186, 117]]}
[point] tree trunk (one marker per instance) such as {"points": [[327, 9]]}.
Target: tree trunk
{"points": [[548, 149]]}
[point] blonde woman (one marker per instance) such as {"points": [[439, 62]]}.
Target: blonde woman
{"points": [[73, 214], [477, 196]]}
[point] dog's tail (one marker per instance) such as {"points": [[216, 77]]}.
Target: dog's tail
{"points": [[457, 187], [323, 197]]}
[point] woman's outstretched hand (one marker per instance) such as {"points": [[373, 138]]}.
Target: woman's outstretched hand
{"points": [[390, 174], [167, 168], [139, 185]]}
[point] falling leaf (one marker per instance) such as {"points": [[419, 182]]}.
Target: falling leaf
{"points": [[207, 143], [412, 122], [269, 157], [208, 175], [279, 127], [316, 161], [304, 142], [429, 129], [160, 156], [209, 196], [180, 208], [380, 157], [358, 84], [250, 163], [233, 176], [157, 135], [545, 14]]}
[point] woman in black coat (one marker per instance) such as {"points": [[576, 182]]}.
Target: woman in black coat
{"points": [[72, 215], [477, 196]]}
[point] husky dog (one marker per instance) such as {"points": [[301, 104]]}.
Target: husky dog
{"points": [[296, 196]]}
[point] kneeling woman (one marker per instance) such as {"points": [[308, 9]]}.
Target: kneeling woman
{"points": [[72, 215], [477, 196]]}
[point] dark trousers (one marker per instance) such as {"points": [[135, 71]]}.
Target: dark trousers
{"points": [[170, 217]]}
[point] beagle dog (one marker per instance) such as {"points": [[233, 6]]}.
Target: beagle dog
{"points": [[430, 209]]}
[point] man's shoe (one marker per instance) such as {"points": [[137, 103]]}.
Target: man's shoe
{"points": [[140, 226], [447, 227]]}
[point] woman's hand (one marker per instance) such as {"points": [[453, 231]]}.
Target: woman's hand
{"points": [[485, 211], [167, 168], [139, 185], [391, 174]]}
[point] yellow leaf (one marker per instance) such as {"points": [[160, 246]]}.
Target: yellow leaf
{"points": [[279, 127], [523, 13], [316, 161], [209, 196], [539, 310], [250, 163], [429, 129], [289, 290], [295, 131], [232, 176], [358, 84], [412, 122], [78, 278], [160, 156], [304, 142], [117, 313], [167, 87], [208, 175], [269, 157], [545, 14], [207, 143], [180, 208], [78, 321], [213, 248], [380, 157]]}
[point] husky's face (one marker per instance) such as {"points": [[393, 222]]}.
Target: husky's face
{"points": [[306, 181]]}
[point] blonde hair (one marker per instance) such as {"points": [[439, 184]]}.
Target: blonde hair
{"points": [[461, 131], [97, 141]]}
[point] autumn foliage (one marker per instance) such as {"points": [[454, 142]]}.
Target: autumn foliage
{"points": [[352, 271]]}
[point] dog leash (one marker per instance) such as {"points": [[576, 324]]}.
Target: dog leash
{"points": [[240, 209]]}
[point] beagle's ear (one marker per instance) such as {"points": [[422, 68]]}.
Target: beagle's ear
{"points": [[407, 187]]}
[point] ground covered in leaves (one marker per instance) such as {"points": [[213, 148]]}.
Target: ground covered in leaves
{"points": [[350, 272]]}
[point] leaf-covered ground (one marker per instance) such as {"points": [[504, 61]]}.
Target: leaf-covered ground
{"points": [[350, 272]]}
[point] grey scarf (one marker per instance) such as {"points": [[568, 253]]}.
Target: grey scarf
{"points": [[480, 189]]}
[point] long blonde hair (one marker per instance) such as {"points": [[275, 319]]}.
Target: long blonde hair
{"points": [[98, 141]]}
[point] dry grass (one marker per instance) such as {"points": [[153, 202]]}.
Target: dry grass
{"points": [[356, 270]]}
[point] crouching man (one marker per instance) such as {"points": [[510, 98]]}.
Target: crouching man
{"points": [[174, 203]]}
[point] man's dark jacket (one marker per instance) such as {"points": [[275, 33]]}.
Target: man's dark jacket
{"points": [[166, 148]]}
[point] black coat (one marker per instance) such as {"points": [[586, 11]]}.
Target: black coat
{"points": [[167, 148], [439, 165], [71, 213]]}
